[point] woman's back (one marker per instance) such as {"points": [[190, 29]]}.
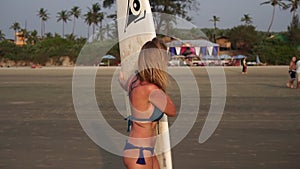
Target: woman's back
{"points": [[142, 110]]}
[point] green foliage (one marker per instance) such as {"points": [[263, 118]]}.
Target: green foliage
{"points": [[209, 32], [42, 51], [243, 37], [185, 34], [92, 52], [8, 50], [275, 51], [294, 30]]}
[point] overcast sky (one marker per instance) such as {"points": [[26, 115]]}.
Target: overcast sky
{"points": [[229, 11]]}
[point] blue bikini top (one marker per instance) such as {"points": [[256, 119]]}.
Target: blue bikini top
{"points": [[157, 114]]}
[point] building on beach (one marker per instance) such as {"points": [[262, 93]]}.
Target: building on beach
{"points": [[20, 38]]}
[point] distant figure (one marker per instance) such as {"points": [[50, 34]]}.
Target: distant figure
{"points": [[298, 73], [258, 60], [244, 64], [292, 72], [187, 51]]}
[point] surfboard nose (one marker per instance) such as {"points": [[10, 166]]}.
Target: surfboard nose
{"points": [[135, 12]]}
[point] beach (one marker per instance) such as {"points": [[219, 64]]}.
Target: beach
{"points": [[39, 128]]}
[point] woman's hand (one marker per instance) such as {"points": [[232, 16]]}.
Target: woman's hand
{"points": [[163, 101], [122, 81]]}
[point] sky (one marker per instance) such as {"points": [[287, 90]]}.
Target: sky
{"points": [[229, 11]]}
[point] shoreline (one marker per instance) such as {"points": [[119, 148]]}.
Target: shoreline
{"points": [[115, 67]]}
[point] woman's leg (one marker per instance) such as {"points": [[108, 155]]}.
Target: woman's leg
{"points": [[155, 163]]}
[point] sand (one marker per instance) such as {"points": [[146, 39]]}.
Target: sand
{"points": [[260, 127]]}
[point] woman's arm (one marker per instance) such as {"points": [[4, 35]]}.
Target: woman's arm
{"points": [[292, 66], [125, 83], [122, 81], [163, 101]]}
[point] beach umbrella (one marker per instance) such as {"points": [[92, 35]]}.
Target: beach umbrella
{"points": [[238, 57], [108, 57], [208, 57], [225, 57]]}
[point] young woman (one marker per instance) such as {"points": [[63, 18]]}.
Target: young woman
{"points": [[292, 72], [244, 65], [149, 102], [298, 74]]}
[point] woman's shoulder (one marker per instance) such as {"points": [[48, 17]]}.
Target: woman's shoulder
{"points": [[150, 87]]}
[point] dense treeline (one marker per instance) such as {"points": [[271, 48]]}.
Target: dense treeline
{"points": [[276, 49], [273, 48], [47, 50]]}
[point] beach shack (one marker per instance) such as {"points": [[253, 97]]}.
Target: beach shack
{"points": [[198, 48], [223, 42], [195, 51], [20, 38]]}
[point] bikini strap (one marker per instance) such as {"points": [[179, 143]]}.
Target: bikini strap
{"points": [[129, 122], [141, 159], [132, 86]]}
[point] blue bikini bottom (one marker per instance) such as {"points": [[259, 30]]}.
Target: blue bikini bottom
{"points": [[141, 159]]}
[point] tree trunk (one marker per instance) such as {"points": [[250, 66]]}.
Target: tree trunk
{"points": [[88, 35], [15, 36], [215, 31], [42, 29], [273, 15], [93, 31], [159, 24], [101, 31], [73, 30], [294, 15], [63, 30]]}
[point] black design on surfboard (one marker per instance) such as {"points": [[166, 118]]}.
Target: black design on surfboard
{"points": [[135, 12]]}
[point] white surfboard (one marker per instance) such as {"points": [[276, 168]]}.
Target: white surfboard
{"points": [[135, 28]]}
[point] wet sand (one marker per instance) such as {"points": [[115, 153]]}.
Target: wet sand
{"points": [[260, 127]]}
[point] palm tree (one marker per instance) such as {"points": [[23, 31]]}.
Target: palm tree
{"points": [[2, 35], [15, 26], [63, 16], [96, 15], [109, 30], [71, 37], [32, 37], [34, 34], [293, 4], [49, 35], [247, 19], [88, 20], [215, 19], [44, 16], [274, 3], [25, 35], [75, 12]]}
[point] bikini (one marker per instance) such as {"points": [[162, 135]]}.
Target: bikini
{"points": [[157, 114]]}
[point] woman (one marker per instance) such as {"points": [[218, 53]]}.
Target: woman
{"points": [[292, 72], [244, 64], [149, 102], [298, 73]]}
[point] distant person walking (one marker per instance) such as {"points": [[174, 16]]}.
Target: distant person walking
{"points": [[298, 73], [292, 72], [244, 64]]}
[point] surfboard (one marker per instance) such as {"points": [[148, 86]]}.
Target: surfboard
{"points": [[135, 28]]}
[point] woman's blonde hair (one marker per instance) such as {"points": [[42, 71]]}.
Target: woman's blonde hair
{"points": [[153, 62]]}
